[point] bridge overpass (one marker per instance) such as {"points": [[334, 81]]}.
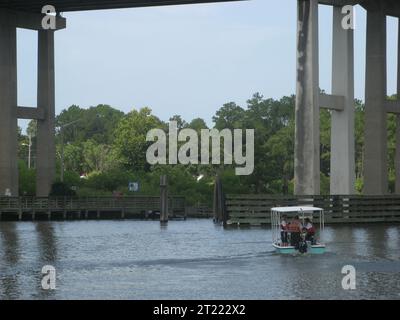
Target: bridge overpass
{"points": [[27, 14]]}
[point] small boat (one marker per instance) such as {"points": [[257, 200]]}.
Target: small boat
{"points": [[303, 213]]}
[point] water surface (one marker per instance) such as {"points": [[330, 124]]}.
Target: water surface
{"points": [[191, 259]]}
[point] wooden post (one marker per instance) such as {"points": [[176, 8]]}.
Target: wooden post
{"points": [[219, 203], [164, 199], [215, 201], [224, 213]]}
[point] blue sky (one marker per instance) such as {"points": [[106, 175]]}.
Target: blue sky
{"points": [[186, 60]]}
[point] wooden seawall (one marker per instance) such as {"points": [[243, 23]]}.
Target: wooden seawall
{"points": [[254, 210], [65, 208]]}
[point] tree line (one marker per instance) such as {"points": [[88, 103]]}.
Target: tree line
{"points": [[105, 149]]}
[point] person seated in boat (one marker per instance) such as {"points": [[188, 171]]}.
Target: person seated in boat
{"points": [[309, 230], [284, 230], [295, 229]]}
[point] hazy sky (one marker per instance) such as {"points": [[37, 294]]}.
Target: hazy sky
{"points": [[186, 60]]}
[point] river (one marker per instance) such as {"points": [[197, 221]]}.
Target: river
{"points": [[191, 259]]}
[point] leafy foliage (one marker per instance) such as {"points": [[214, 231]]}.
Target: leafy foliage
{"points": [[106, 149]]}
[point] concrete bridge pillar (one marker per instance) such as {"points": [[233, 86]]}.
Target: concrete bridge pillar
{"points": [[375, 135], [9, 110], [307, 140], [342, 177], [8, 107], [397, 156], [45, 164]]}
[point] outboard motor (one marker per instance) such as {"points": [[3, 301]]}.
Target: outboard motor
{"points": [[303, 246]]}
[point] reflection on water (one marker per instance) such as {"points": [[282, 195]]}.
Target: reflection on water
{"points": [[191, 259], [47, 253], [9, 260], [46, 242]]}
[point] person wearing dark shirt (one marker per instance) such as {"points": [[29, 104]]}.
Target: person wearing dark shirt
{"points": [[295, 232], [284, 231], [310, 230]]}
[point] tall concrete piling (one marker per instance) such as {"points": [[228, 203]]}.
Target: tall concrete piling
{"points": [[307, 141], [375, 136], [8, 106]]}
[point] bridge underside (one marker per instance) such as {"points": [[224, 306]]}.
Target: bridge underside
{"points": [[81, 5]]}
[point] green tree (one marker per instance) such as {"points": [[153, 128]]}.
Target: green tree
{"points": [[198, 124], [230, 116], [130, 138], [98, 157], [27, 179], [181, 124]]}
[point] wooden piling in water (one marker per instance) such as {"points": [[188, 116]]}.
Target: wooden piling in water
{"points": [[220, 215], [163, 199]]}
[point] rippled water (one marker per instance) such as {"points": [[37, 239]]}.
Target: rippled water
{"points": [[191, 259]]}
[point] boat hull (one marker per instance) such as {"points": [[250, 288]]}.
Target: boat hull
{"points": [[317, 249], [312, 249]]}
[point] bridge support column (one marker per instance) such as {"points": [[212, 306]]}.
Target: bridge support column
{"points": [[45, 165], [307, 140], [375, 135], [342, 131], [8, 107], [397, 156]]}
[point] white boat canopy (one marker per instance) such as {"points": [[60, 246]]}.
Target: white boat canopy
{"points": [[296, 209], [278, 212]]}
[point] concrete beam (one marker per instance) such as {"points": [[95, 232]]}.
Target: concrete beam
{"points": [[45, 166], [8, 109], [342, 176], [375, 135], [28, 20], [392, 106], [388, 7], [30, 113], [331, 102], [307, 141], [340, 3]]}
